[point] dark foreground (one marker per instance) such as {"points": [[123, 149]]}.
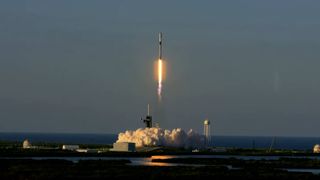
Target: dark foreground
{"points": [[17, 164], [24, 169]]}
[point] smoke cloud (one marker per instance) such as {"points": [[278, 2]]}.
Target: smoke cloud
{"points": [[163, 137]]}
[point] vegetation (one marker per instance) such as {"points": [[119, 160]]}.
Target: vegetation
{"points": [[11, 167]]}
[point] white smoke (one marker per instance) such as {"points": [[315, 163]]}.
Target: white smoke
{"points": [[163, 137]]}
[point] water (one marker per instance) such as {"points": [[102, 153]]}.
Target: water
{"points": [[298, 143], [135, 161], [313, 171], [60, 138], [147, 161]]}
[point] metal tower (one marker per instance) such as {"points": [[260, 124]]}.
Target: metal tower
{"points": [[206, 132], [148, 120]]}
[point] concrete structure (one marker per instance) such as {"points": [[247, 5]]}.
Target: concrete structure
{"points": [[316, 148], [206, 131], [26, 144], [124, 147], [70, 147]]}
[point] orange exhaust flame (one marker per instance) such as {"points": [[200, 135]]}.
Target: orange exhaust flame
{"points": [[160, 76]]}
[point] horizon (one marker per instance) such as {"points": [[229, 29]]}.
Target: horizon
{"points": [[116, 134]]}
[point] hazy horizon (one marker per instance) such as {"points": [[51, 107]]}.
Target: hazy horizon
{"points": [[78, 66]]}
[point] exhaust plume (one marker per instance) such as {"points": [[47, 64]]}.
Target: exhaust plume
{"points": [[160, 71], [163, 137]]}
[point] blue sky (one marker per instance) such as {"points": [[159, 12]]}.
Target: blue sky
{"points": [[78, 66]]}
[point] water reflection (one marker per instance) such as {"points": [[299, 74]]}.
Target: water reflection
{"points": [[163, 157], [313, 171], [150, 163], [147, 161]]}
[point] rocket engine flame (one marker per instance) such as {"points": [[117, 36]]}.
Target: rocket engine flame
{"points": [[160, 73]]}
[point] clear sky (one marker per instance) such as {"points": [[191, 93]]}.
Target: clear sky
{"points": [[250, 66]]}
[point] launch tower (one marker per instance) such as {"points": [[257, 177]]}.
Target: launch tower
{"points": [[148, 120]]}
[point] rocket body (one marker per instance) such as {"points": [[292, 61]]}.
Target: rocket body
{"points": [[160, 68], [160, 45]]}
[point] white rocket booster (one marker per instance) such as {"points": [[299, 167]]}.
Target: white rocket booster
{"points": [[160, 45]]}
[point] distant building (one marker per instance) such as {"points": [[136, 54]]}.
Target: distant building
{"points": [[26, 144], [124, 147], [70, 147], [195, 150], [316, 148], [218, 149], [87, 150]]}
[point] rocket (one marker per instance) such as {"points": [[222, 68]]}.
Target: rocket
{"points": [[160, 45], [160, 71]]}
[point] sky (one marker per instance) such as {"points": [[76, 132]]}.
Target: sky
{"points": [[250, 66]]}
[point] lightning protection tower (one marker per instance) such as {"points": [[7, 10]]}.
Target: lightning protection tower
{"points": [[206, 132]]}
